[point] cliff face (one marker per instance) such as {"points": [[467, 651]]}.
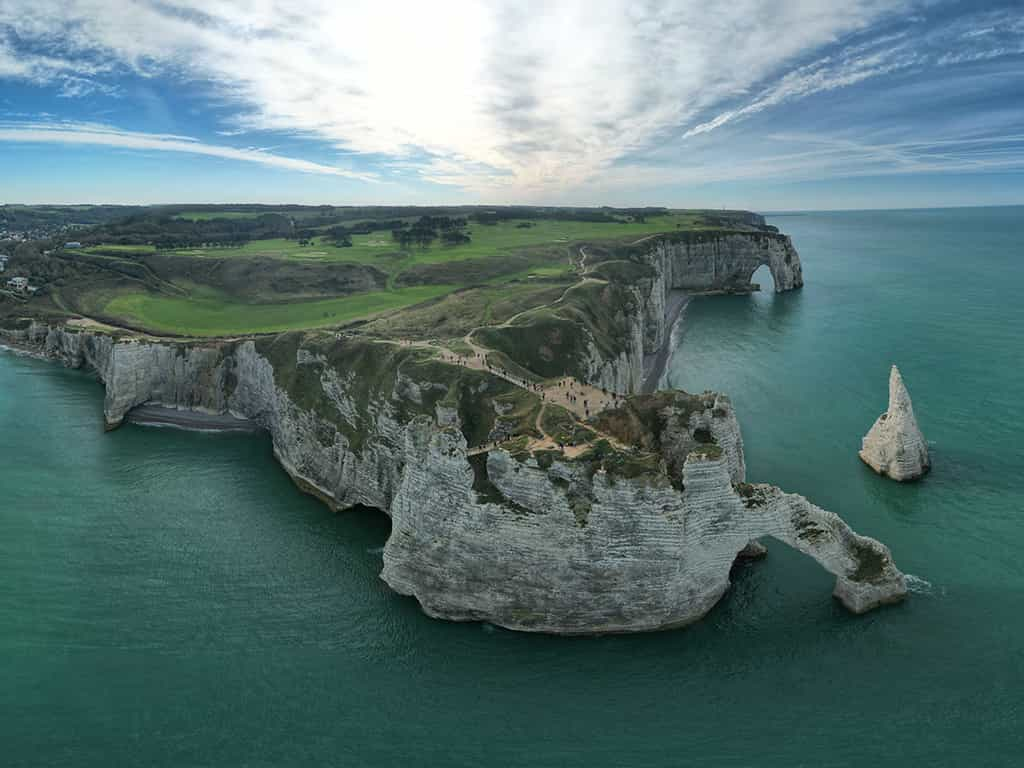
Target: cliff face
{"points": [[894, 446], [638, 535], [725, 262], [694, 263], [644, 556], [529, 541]]}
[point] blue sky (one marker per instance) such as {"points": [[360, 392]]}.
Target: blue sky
{"points": [[789, 104]]}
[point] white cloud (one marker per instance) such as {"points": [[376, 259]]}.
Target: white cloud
{"points": [[812, 156], [821, 76], [884, 55], [517, 94], [74, 78], [512, 99], [92, 134]]}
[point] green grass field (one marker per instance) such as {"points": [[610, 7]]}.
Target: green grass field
{"points": [[503, 257], [459, 312], [113, 250], [378, 249], [208, 314], [207, 215]]}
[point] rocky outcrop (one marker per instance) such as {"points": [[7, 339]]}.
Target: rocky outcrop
{"points": [[680, 265], [724, 262], [894, 446], [610, 541], [639, 535], [563, 551]]}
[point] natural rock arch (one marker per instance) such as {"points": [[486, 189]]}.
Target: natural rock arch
{"points": [[636, 556], [755, 278], [725, 263]]}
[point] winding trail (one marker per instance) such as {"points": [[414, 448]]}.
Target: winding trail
{"points": [[582, 399], [579, 398]]}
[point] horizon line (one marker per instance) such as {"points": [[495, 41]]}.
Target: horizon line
{"points": [[763, 212]]}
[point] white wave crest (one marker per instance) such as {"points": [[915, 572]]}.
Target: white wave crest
{"points": [[919, 586]]}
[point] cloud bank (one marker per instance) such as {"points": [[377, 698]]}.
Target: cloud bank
{"points": [[528, 94], [523, 96]]}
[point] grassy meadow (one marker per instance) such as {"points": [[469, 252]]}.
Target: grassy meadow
{"points": [[506, 265], [378, 249], [114, 250], [217, 315]]}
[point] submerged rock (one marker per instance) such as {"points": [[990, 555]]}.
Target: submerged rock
{"points": [[894, 446]]}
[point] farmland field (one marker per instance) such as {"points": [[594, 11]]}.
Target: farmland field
{"points": [[212, 315], [487, 240], [277, 283], [110, 250]]}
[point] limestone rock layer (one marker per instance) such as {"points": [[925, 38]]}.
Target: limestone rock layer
{"points": [[894, 446], [645, 556], [558, 545], [694, 264], [541, 542]]}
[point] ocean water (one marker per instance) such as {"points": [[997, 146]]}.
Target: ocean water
{"points": [[170, 599]]}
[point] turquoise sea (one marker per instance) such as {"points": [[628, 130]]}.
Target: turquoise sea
{"points": [[170, 599]]}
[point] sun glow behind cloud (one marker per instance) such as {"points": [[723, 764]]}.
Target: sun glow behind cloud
{"points": [[509, 100]]}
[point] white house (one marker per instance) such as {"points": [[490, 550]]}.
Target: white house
{"points": [[18, 283]]}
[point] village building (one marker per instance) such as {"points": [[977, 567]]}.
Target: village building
{"points": [[18, 284], [73, 244]]}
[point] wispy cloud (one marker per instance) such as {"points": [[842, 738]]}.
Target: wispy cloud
{"points": [[975, 38], [512, 99], [825, 75], [796, 157], [74, 78], [522, 94], [92, 134]]}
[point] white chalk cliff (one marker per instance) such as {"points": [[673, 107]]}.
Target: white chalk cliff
{"points": [[894, 446], [618, 539]]}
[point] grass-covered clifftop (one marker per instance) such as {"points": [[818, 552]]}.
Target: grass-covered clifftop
{"points": [[553, 340], [314, 367], [484, 332], [229, 270]]}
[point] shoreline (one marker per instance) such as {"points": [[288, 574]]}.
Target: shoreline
{"points": [[155, 415], [9, 345], [655, 364]]}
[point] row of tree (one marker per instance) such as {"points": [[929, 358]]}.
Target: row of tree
{"points": [[427, 229], [166, 229], [168, 232], [341, 234]]}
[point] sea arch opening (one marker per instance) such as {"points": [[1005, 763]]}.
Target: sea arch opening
{"points": [[762, 279]]}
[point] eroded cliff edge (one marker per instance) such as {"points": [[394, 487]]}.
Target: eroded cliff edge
{"points": [[605, 327], [635, 530]]}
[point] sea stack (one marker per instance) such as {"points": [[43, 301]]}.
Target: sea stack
{"points": [[894, 446]]}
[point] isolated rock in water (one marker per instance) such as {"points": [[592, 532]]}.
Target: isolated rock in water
{"points": [[895, 446]]}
